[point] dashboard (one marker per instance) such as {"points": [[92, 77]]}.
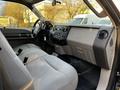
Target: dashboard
{"points": [[95, 45]]}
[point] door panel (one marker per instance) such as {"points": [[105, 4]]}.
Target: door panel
{"points": [[18, 37]]}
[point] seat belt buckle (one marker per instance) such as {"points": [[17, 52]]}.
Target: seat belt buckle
{"points": [[19, 52], [25, 60]]}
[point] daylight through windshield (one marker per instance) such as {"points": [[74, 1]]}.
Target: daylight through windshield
{"points": [[70, 12]]}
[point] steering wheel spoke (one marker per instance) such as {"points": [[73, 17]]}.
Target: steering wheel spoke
{"points": [[41, 28]]}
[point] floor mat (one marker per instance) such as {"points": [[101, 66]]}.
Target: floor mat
{"points": [[88, 73], [89, 80]]}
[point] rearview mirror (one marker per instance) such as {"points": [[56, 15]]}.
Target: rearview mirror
{"points": [[95, 7], [55, 2]]}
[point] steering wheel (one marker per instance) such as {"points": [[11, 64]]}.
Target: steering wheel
{"points": [[41, 28]]}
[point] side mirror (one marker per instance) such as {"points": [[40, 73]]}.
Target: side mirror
{"points": [[99, 12]]}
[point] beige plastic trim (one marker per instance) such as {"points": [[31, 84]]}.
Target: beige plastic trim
{"points": [[104, 79]]}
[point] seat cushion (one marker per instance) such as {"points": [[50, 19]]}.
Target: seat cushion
{"points": [[51, 73], [29, 50], [47, 71]]}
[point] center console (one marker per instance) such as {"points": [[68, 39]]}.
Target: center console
{"points": [[59, 34]]}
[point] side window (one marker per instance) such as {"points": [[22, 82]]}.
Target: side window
{"points": [[15, 15]]}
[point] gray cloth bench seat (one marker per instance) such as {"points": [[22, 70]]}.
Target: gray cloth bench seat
{"points": [[48, 72], [42, 72]]}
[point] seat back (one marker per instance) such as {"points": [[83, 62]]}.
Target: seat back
{"points": [[14, 74]]}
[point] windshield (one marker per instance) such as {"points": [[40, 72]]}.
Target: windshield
{"points": [[70, 12]]}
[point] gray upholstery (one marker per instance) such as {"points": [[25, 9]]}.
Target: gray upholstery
{"points": [[30, 50], [15, 75], [42, 71], [48, 72]]}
